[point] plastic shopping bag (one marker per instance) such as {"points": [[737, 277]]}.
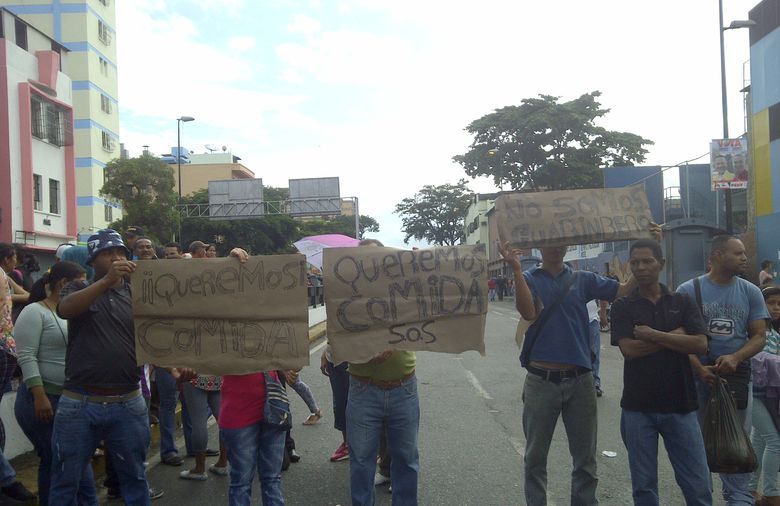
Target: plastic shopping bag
{"points": [[728, 447]]}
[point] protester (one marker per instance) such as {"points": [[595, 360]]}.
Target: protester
{"points": [[79, 255], [492, 289], [101, 399], [60, 250], [144, 249], [734, 315], [656, 330], [383, 392], [172, 251], [9, 486], [8, 263], [211, 251], [556, 354], [339, 384], [765, 436], [766, 276], [41, 339], [131, 235], [302, 389], [254, 448], [198, 249], [202, 396]]}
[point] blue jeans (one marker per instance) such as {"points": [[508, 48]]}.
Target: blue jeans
{"points": [[255, 449], [39, 433], [79, 426], [684, 445], [736, 487], [368, 408], [573, 400], [594, 327], [169, 396], [766, 443]]}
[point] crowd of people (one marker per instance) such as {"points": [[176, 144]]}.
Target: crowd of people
{"points": [[81, 390]]}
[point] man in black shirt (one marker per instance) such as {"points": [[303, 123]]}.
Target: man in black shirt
{"points": [[101, 399], [656, 330]]}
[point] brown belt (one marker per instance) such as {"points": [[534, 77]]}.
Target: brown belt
{"points": [[102, 399], [384, 384]]}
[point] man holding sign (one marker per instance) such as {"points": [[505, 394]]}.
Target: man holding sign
{"points": [[556, 354]]}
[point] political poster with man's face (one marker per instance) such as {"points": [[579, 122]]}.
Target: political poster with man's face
{"points": [[728, 164]]}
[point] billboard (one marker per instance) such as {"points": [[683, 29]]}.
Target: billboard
{"points": [[315, 196], [728, 164], [236, 198]]}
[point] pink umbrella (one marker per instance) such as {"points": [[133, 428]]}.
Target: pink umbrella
{"points": [[312, 246]]}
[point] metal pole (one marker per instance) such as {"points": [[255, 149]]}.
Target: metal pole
{"points": [[357, 220], [725, 107], [178, 152]]}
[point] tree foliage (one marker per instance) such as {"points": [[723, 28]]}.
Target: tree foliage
{"points": [[144, 187], [544, 144], [436, 213], [342, 224]]}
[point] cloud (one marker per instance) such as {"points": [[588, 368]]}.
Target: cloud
{"points": [[241, 43]]}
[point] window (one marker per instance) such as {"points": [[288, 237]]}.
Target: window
{"points": [[104, 33], [103, 66], [54, 196], [37, 193], [21, 34], [108, 213], [38, 118], [108, 142], [105, 104], [50, 122], [106, 3]]}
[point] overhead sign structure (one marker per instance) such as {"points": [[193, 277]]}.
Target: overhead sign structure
{"points": [[564, 218], [728, 164]]}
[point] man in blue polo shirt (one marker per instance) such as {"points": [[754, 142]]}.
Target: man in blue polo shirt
{"points": [[556, 354]]}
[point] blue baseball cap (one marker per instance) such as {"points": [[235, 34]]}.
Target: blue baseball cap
{"points": [[103, 240]]}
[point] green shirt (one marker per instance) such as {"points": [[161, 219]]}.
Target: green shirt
{"points": [[401, 363]]}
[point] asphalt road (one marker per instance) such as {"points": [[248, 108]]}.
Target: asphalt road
{"points": [[471, 440]]}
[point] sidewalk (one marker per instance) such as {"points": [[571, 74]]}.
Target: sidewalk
{"points": [[26, 464]]}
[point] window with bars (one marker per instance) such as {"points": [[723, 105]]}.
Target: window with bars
{"points": [[105, 104], [108, 142], [103, 66], [104, 33], [37, 192], [54, 196], [108, 213], [50, 122]]}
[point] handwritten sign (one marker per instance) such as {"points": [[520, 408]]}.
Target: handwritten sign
{"points": [[219, 316], [382, 298], [561, 218]]}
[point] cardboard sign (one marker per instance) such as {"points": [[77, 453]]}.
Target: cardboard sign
{"points": [[385, 298], [219, 316], [562, 218]]}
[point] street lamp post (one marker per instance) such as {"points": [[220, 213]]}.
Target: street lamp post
{"points": [[724, 100], [178, 145]]}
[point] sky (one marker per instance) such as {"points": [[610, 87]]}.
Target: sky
{"points": [[378, 92]]}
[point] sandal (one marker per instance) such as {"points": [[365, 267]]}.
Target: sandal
{"points": [[219, 471], [313, 419], [189, 475]]}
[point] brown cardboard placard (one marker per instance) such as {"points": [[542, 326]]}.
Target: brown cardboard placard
{"points": [[219, 316], [563, 218], [385, 298]]}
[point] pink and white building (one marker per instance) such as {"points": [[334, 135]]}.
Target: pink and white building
{"points": [[37, 159]]}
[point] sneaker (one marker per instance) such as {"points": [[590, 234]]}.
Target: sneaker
{"points": [[173, 460], [155, 493], [189, 475], [18, 492], [599, 392], [294, 456], [341, 453], [380, 479], [219, 471]]}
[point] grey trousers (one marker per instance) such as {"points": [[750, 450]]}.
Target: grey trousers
{"points": [[199, 402], [575, 401]]}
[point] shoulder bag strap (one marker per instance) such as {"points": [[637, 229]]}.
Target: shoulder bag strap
{"points": [[548, 311]]}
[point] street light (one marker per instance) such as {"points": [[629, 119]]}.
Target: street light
{"points": [[747, 23], [178, 145]]}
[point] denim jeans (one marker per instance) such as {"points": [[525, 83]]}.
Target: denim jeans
{"points": [[766, 443], [186, 425], [575, 401], [736, 487], [79, 426], [594, 327], [255, 449], [339, 386], [684, 445], [398, 409], [169, 396], [39, 433]]}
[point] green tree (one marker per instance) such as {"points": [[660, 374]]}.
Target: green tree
{"points": [[546, 144], [341, 224], [275, 194], [144, 187], [436, 213], [259, 236]]}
